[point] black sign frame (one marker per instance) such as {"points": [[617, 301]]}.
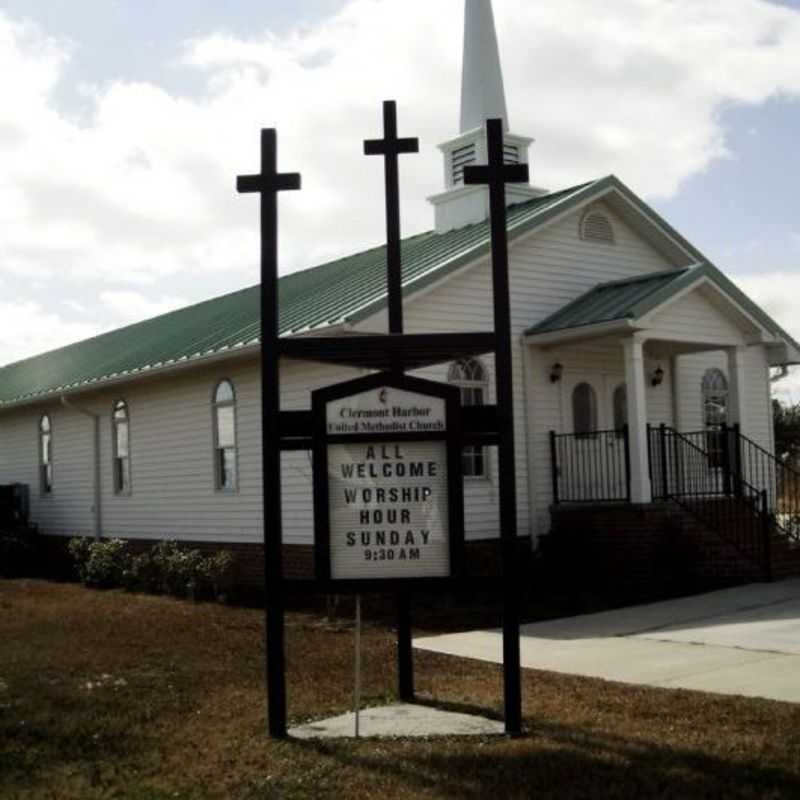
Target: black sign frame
{"points": [[322, 439]]}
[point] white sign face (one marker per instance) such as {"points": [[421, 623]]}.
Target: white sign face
{"points": [[386, 411], [389, 514]]}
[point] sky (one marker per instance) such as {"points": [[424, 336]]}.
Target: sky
{"points": [[123, 124]]}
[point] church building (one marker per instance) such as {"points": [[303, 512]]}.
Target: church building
{"points": [[641, 377]]}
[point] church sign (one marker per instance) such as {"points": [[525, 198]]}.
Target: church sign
{"points": [[388, 496]]}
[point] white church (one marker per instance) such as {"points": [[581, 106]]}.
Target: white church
{"points": [[632, 356]]}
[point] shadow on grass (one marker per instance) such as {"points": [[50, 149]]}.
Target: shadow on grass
{"points": [[551, 761]]}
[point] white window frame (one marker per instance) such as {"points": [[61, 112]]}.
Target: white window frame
{"points": [[216, 405], [470, 376], [117, 473], [46, 471]]}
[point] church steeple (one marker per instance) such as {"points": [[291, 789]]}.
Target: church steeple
{"points": [[482, 97], [482, 93]]}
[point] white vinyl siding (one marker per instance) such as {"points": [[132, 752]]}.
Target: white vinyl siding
{"points": [[171, 421]]}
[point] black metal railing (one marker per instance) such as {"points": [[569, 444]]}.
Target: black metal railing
{"points": [[591, 467], [702, 472], [780, 482]]}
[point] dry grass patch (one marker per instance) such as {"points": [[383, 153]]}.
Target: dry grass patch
{"points": [[110, 695]]}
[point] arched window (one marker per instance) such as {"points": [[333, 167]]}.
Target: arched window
{"points": [[45, 455], [120, 423], [225, 472], [584, 409], [620, 407], [715, 399], [715, 414], [471, 378]]}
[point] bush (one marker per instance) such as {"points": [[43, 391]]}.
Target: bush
{"points": [[217, 572], [100, 564], [79, 549], [167, 567], [142, 575]]}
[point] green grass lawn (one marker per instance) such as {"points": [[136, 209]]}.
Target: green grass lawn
{"points": [[111, 695]]}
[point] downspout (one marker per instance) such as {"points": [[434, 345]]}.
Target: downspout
{"points": [[97, 509]]}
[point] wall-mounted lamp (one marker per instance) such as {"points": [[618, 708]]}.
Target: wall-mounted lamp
{"points": [[556, 373], [658, 377]]}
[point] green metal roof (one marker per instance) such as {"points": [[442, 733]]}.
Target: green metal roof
{"points": [[608, 302], [342, 291], [633, 298]]}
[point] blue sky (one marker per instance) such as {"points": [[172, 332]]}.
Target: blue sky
{"points": [[694, 103]]}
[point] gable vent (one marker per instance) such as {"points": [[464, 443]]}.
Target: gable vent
{"points": [[596, 227], [462, 157], [511, 154]]}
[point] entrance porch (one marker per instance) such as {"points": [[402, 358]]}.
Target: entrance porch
{"points": [[658, 390]]}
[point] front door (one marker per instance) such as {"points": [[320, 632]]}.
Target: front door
{"points": [[593, 455]]}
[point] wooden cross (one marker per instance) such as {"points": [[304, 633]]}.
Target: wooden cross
{"points": [[268, 183], [496, 175], [391, 147]]}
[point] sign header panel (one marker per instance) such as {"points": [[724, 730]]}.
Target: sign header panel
{"points": [[385, 411], [389, 513]]}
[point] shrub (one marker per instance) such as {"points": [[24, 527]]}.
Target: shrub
{"points": [[217, 572], [141, 574], [79, 549], [179, 570], [108, 560]]}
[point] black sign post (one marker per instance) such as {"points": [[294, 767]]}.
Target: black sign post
{"points": [[390, 356]]}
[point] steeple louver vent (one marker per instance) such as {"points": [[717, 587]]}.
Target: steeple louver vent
{"points": [[511, 154], [462, 157], [596, 227]]}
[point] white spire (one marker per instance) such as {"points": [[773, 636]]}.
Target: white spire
{"points": [[482, 94]]}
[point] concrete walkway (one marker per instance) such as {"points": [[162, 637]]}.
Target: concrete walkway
{"points": [[743, 641]]}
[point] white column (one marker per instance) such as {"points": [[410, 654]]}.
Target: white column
{"points": [[737, 409], [641, 490]]}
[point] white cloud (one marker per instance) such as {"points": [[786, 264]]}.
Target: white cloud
{"points": [[27, 329], [142, 190], [130, 306], [777, 293]]}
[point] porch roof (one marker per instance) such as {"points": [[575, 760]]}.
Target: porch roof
{"points": [[633, 298]]}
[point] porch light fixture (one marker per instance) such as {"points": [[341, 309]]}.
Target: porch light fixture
{"points": [[556, 373], [658, 377]]}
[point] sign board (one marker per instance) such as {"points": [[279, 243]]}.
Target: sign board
{"points": [[387, 475]]}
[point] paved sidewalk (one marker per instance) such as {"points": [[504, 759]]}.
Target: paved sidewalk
{"points": [[743, 641]]}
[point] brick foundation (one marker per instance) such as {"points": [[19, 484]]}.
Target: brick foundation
{"points": [[658, 548]]}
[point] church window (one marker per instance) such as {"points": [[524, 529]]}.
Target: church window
{"points": [[596, 227], [715, 413], [225, 456], [120, 423], [471, 378], [584, 410], [45, 455]]}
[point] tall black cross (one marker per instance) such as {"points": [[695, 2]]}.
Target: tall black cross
{"points": [[391, 147], [496, 175], [268, 183]]}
